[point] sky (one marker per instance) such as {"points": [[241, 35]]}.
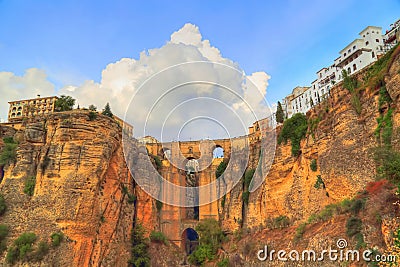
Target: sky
{"points": [[97, 50]]}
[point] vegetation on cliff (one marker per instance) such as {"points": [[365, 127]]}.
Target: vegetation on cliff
{"points": [[140, 245], [64, 103], [279, 115], [294, 129], [3, 205], [9, 154], [211, 238]]}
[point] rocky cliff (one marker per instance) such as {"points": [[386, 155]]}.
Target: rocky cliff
{"points": [[80, 188]]}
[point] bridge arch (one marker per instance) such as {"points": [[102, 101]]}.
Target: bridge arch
{"points": [[190, 240]]}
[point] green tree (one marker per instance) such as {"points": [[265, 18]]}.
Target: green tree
{"points": [[139, 253], [279, 115], [92, 108], [107, 111], [294, 129], [64, 103]]}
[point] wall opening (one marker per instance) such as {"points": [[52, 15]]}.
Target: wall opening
{"points": [[192, 194], [218, 152], [190, 240], [1, 173], [165, 153]]}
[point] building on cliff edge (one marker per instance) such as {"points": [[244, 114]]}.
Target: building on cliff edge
{"points": [[357, 55]]}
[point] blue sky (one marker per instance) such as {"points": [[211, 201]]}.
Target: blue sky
{"points": [[73, 41]]}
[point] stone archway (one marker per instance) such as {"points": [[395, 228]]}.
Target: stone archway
{"points": [[190, 240]]}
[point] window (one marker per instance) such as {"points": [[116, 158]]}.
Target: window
{"points": [[354, 67], [345, 54], [349, 51], [377, 40], [364, 35], [367, 33], [373, 32], [354, 47], [348, 70], [373, 54], [366, 43]]}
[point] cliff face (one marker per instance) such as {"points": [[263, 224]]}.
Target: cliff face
{"points": [[80, 171], [341, 143]]}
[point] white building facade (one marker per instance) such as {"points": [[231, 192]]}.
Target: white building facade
{"points": [[357, 55]]}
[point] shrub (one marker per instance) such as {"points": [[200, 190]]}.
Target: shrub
{"points": [[3, 206], [245, 197], [294, 129], [9, 154], [41, 252], [360, 241], [131, 198], [3, 237], [158, 237], [210, 234], [45, 163], [158, 162], [313, 165], [384, 129], [223, 200], [201, 255], [353, 226], [12, 255], [22, 246], [221, 168], [92, 107], [388, 162], [139, 252], [300, 231], [25, 238], [357, 205], [248, 176], [30, 186], [92, 115], [223, 263], [319, 182], [56, 239]]}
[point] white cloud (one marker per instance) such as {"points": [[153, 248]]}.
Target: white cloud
{"points": [[13, 87], [206, 108]]}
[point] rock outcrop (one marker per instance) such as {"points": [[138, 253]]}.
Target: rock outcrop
{"points": [[80, 174]]}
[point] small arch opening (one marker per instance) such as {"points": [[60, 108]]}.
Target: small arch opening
{"points": [[165, 153], [190, 240], [218, 152]]}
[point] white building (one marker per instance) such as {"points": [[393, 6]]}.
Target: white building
{"points": [[296, 102], [362, 52], [357, 55], [392, 36]]}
